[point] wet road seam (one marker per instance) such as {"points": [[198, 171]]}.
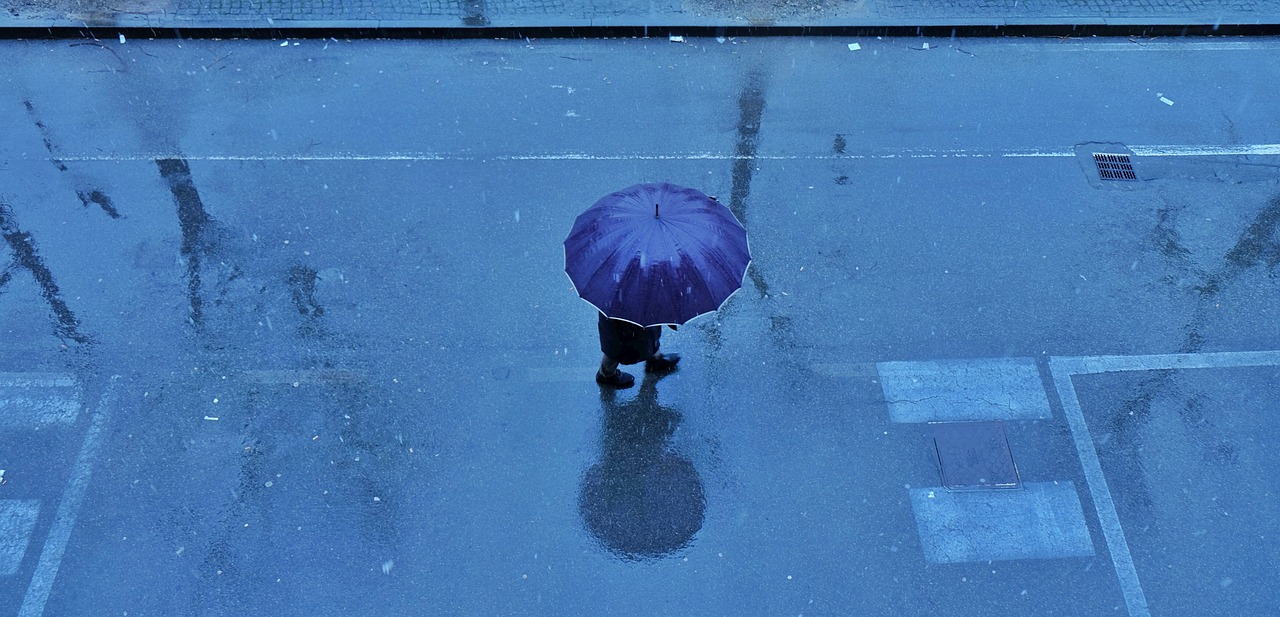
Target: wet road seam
{"points": [[192, 218], [27, 257], [751, 105], [87, 196], [954, 397], [44, 136], [97, 197]]}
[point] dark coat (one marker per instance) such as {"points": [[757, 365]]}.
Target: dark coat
{"points": [[626, 342]]}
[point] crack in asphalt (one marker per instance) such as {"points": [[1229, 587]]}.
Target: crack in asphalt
{"points": [[912, 400]]}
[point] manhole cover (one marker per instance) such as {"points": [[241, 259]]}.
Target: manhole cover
{"points": [[974, 455], [1114, 166]]}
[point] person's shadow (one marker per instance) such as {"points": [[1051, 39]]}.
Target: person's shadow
{"points": [[642, 500]]}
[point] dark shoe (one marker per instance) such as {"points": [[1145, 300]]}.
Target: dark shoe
{"points": [[662, 363], [619, 379]]}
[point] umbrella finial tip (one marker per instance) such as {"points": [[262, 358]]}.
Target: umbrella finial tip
{"points": [[655, 210]]}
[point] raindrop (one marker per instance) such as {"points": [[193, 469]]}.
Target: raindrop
{"points": [[517, 216]]}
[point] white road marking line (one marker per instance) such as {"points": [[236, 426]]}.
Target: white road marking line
{"points": [[1226, 359], [1135, 600], [1171, 150], [64, 520], [17, 519], [1062, 369]]}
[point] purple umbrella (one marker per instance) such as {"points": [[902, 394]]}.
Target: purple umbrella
{"points": [[656, 254]]}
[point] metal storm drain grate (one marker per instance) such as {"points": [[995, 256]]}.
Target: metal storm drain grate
{"points": [[1114, 166], [974, 455]]}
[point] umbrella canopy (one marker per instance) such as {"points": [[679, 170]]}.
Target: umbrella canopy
{"points": [[656, 254]]}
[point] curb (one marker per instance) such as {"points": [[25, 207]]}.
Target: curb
{"points": [[967, 28]]}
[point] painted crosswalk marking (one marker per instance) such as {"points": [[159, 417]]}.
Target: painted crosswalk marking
{"points": [[1042, 521], [963, 390], [34, 400], [17, 519], [958, 526]]}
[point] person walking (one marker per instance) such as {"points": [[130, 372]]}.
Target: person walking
{"points": [[648, 256], [623, 342]]}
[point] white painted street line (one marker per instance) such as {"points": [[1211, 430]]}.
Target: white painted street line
{"points": [[1174, 150], [64, 520], [1044, 520], [1134, 598], [1226, 359], [1062, 370], [1251, 150], [17, 519], [963, 390], [33, 400]]}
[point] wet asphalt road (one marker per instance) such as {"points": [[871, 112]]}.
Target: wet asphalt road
{"points": [[353, 378]]}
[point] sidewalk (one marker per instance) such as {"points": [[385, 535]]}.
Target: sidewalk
{"points": [[464, 14]]}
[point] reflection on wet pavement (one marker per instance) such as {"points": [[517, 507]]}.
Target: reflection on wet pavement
{"points": [[642, 499]]}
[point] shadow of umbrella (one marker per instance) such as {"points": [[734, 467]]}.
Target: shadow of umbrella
{"points": [[643, 500]]}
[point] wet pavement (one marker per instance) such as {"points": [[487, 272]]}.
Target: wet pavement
{"points": [[286, 328]]}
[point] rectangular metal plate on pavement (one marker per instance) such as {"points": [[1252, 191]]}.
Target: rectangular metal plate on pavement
{"points": [[974, 456]]}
